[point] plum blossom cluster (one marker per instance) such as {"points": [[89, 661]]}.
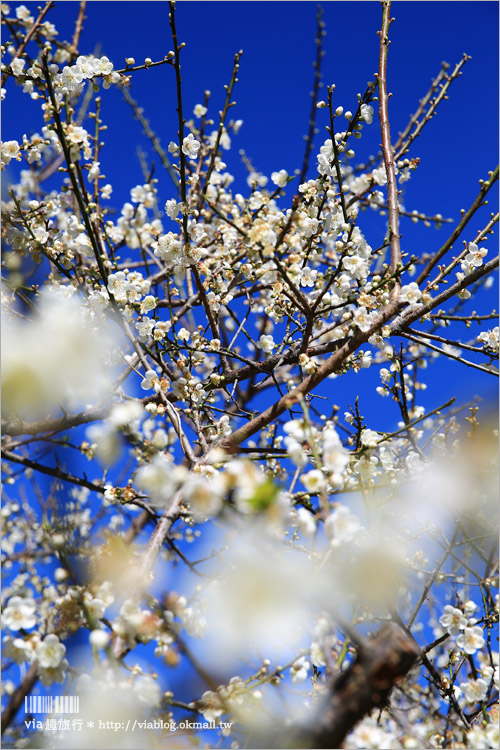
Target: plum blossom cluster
{"points": [[198, 482]]}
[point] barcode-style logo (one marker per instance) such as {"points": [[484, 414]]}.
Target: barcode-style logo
{"points": [[52, 704]]}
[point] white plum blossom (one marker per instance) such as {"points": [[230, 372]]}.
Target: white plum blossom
{"points": [[280, 178], [474, 258], [190, 146], [453, 620], [266, 343], [363, 319], [366, 112], [10, 150], [17, 649], [158, 479], [300, 669], [306, 523], [411, 293], [172, 208], [370, 438], [204, 495], [342, 526], [471, 639], [147, 690], [17, 66], [19, 613], [355, 266], [50, 652], [490, 339], [151, 380], [380, 175], [474, 690], [99, 638], [313, 481]]}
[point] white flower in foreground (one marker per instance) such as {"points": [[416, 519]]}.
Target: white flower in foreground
{"points": [[147, 690], [474, 690], [49, 675], [56, 358], [366, 112], [342, 526], [453, 620], [363, 319], [17, 66], [470, 607], [50, 652], [355, 266], [313, 481], [204, 495], [211, 706], [19, 613], [99, 638], [157, 478], [172, 208], [190, 146], [471, 640], [370, 438], [10, 150], [335, 457], [299, 670], [490, 338], [380, 175], [308, 276], [411, 293], [150, 380], [17, 649], [474, 258], [123, 414], [266, 343], [306, 522], [263, 598], [280, 178]]}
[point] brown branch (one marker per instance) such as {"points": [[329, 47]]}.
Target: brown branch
{"points": [[392, 190], [333, 363], [485, 187], [402, 149], [78, 27], [28, 36], [52, 472], [18, 696], [381, 662], [450, 355], [13, 426], [411, 315], [314, 94], [422, 105]]}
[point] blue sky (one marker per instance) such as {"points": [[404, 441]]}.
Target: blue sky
{"points": [[277, 38]]}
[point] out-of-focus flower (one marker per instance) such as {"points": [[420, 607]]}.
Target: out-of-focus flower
{"points": [[159, 478], [57, 358], [262, 599], [342, 526], [50, 652]]}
